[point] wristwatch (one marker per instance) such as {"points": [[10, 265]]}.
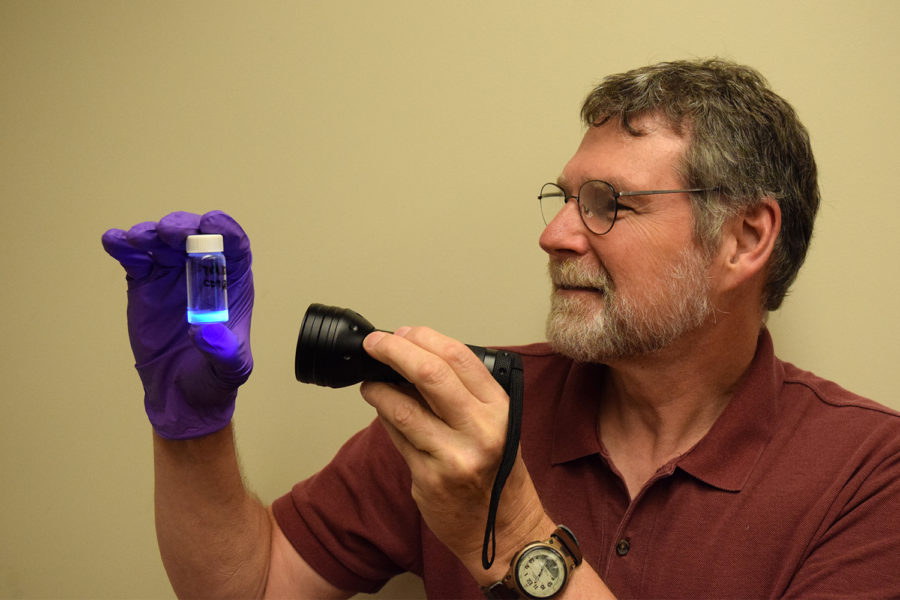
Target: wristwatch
{"points": [[540, 569]]}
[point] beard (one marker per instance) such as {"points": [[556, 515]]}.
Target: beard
{"points": [[625, 327]]}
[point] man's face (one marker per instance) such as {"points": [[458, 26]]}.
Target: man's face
{"points": [[639, 288]]}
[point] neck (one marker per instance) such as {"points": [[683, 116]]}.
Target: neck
{"points": [[661, 405]]}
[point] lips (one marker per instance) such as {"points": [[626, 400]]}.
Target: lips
{"points": [[568, 276]]}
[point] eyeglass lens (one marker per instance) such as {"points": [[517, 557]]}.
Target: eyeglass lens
{"points": [[596, 203]]}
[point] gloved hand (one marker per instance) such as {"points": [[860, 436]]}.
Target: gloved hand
{"points": [[190, 373]]}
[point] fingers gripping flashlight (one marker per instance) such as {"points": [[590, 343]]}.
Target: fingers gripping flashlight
{"points": [[330, 353]]}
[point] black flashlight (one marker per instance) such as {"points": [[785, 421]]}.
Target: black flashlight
{"points": [[330, 351]]}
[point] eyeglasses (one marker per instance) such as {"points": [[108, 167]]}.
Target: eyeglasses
{"points": [[598, 202]]}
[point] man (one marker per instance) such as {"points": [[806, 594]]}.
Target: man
{"points": [[659, 426]]}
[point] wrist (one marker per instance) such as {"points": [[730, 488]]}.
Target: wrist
{"points": [[510, 540], [541, 569], [173, 423], [520, 521]]}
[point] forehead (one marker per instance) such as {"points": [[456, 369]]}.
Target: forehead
{"points": [[609, 152]]}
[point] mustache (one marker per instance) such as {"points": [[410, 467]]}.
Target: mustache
{"points": [[569, 274]]}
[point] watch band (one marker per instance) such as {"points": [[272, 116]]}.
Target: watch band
{"points": [[562, 540], [500, 591], [569, 541]]}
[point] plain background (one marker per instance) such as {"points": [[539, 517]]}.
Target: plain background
{"points": [[384, 156]]}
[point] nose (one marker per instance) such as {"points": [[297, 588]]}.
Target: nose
{"points": [[566, 234]]}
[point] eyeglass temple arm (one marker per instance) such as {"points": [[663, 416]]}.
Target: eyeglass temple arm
{"points": [[653, 192]]}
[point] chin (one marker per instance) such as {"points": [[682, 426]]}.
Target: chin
{"points": [[574, 330]]}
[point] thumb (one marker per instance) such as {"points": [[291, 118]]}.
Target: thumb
{"points": [[228, 354]]}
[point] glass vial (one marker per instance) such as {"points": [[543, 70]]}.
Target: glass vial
{"points": [[207, 300]]}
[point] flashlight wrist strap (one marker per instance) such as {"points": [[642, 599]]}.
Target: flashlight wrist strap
{"points": [[510, 449]]}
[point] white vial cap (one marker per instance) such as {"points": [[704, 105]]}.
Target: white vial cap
{"points": [[203, 243]]}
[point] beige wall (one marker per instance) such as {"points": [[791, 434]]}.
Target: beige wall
{"points": [[383, 156]]}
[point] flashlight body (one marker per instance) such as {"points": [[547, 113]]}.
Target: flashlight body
{"points": [[330, 351]]}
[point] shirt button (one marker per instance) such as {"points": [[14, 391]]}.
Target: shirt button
{"points": [[623, 546]]}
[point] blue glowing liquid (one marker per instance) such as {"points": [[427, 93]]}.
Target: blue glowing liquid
{"points": [[207, 316]]}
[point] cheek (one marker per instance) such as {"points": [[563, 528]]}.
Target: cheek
{"points": [[644, 272], [637, 263]]}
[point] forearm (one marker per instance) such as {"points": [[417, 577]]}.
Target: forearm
{"points": [[214, 536]]}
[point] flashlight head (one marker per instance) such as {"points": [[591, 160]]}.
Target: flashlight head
{"points": [[330, 352]]}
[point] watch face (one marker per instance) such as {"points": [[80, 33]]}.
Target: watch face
{"points": [[541, 572]]}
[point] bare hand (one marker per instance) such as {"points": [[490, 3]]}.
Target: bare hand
{"points": [[451, 430]]}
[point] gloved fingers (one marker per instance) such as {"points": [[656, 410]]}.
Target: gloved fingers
{"points": [[175, 227], [163, 243], [228, 354], [145, 236], [236, 242], [137, 263]]}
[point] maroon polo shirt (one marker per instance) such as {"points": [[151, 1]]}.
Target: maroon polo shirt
{"points": [[795, 491]]}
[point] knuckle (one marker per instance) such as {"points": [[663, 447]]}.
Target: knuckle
{"points": [[456, 354], [403, 414], [395, 408], [492, 445], [452, 351], [470, 470], [431, 372]]}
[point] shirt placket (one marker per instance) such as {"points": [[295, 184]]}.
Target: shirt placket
{"points": [[630, 549]]}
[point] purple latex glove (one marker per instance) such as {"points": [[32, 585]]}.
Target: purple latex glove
{"points": [[190, 372]]}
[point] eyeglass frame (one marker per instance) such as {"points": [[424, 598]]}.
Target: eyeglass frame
{"points": [[616, 195]]}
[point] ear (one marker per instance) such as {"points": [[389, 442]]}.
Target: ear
{"points": [[750, 240]]}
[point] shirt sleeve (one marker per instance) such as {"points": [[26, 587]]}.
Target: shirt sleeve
{"points": [[857, 551], [355, 521]]}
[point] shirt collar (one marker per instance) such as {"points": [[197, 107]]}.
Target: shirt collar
{"points": [[726, 455], [575, 426]]}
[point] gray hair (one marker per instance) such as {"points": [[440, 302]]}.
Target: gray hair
{"points": [[745, 142]]}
